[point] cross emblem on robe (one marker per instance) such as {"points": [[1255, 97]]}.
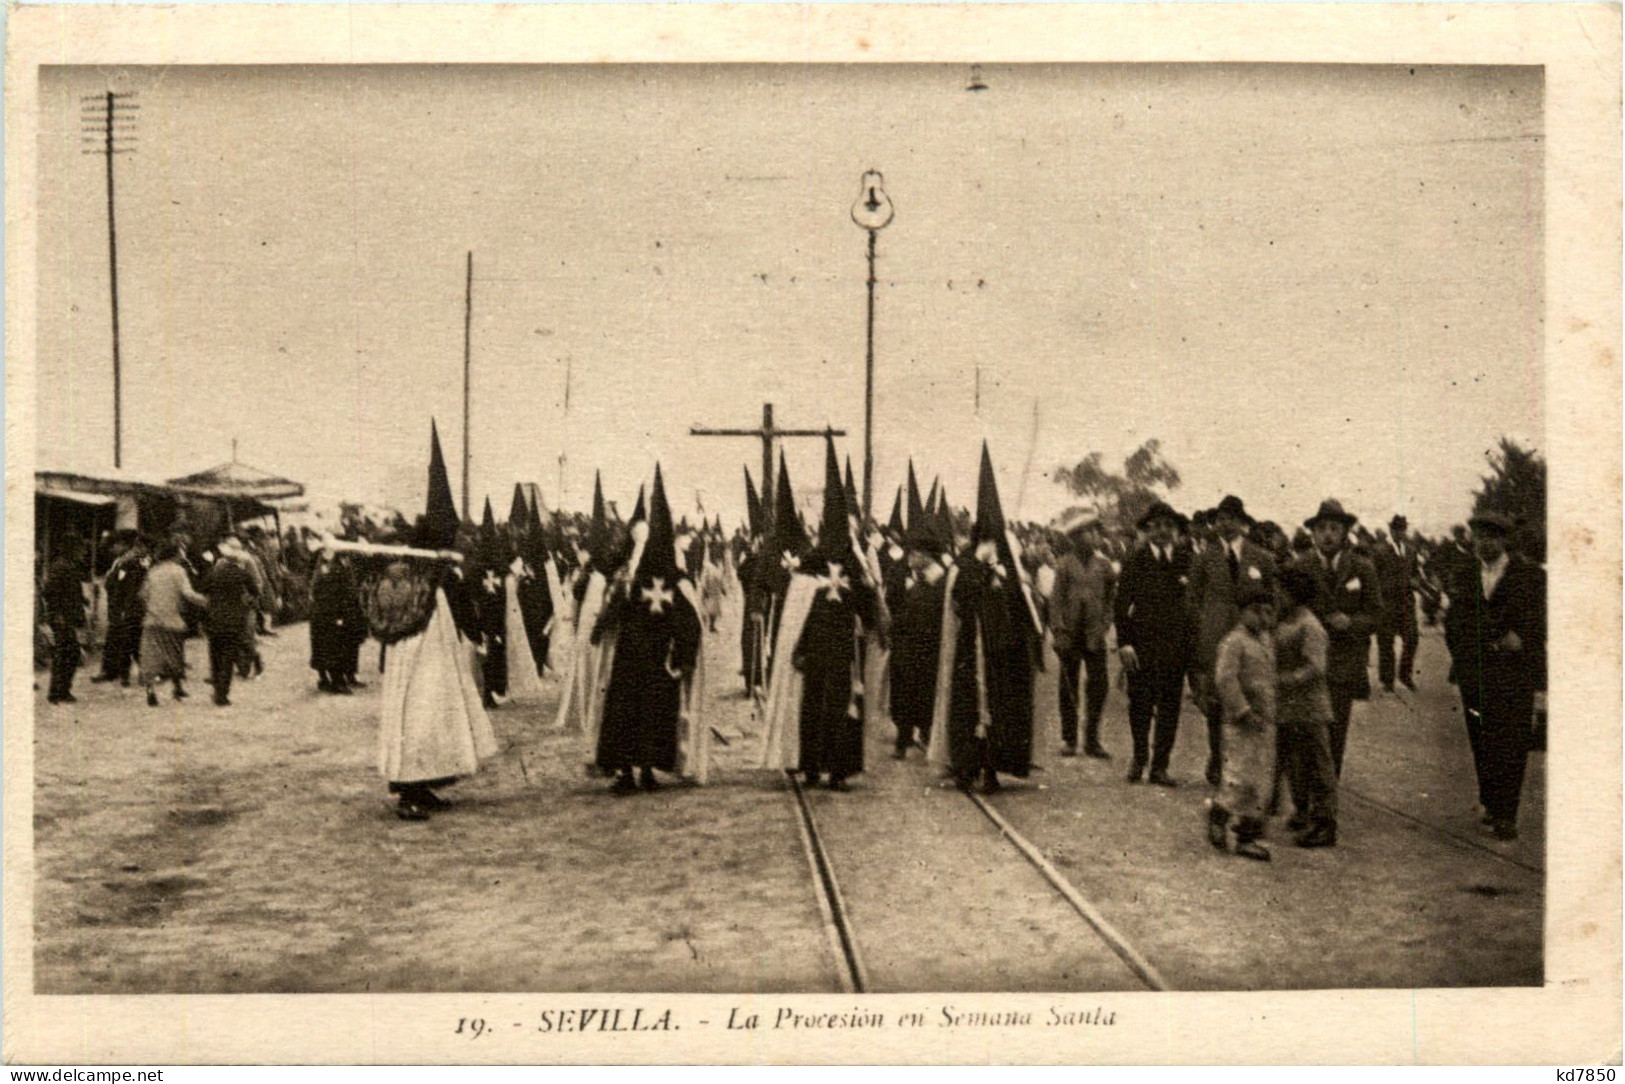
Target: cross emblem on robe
{"points": [[835, 582], [657, 595], [790, 561], [492, 581]]}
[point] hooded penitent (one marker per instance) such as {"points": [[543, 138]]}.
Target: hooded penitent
{"points": [[657, 642], [991, 643], [827, 608], [432, 727]]}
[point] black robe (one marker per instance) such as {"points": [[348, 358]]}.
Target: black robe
{"points": [[536, 610], [830, 658], [657, 639], [916, 642], [996, 609], [491, 616]]}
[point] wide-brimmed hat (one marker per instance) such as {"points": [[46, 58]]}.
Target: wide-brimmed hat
{"points": [[1232, 506], [1160, 510], [1399, 523], [1493, 522], [1078, 519], [1332, 509]]}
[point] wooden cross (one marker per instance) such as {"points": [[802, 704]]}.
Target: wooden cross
{"points": [[766, 434]]}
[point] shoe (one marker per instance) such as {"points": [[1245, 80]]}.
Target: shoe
{"points": [[152, 698], [1505, 831], [839, 784], [1213, 773], [1297, 822], [1408, 683], [648, 781], [1217, 833], [1321, 835], [1163, 779], [1097, 752], [1070, 749], [259, 666], [428, 799], [991, 784], [1135, 771], [410, 811], [900, 753], [324, 686], [342, 690], [102, 679], [623, 785], [1388, 689], [67, 698], [354, 684], [180, 693], [222, 702], [1251, 848]]}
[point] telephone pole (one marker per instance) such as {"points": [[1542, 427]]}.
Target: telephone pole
{"points": [[107, 125]]}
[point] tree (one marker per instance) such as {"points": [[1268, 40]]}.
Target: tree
{"points": [[1122, 497], [1516, 486]]}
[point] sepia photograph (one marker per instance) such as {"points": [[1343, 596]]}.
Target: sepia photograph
{"points": [[778, 529]]}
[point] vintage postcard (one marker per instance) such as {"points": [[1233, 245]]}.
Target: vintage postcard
{"points": [[813, 534]]}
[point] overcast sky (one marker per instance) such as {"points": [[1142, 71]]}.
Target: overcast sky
{"points": [[1306, 281]]}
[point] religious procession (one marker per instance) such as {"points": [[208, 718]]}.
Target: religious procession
{"points": [[949, 704]]}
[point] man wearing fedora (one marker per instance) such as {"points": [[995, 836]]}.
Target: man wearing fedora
{"points": [[1154, 639], [1080, 614], [1397, 571], [1496, 630], [1217, 575], [1348, 602]]}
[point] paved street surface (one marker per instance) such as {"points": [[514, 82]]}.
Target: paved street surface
{"points": [[187, 848]]}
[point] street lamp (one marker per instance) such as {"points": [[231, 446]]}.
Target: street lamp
{"points": [[873, 211]]}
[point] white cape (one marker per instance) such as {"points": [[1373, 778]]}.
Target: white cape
{"points": [[561, 630], [693, 732], [781, 737], [432, 724], [582, 665], [937, 752], [524, 683]]}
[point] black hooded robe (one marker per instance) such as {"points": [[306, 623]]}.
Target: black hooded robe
{"points": [[997, 610], [657, 639], [830, 660]]}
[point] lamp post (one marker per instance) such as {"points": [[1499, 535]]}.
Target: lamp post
{"points": [[873, 211]]}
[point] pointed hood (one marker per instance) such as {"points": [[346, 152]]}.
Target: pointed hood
{"points": [[916, 510], [789, 533], [989, 526], [599, 540], [519, 510], [639, 513], [834, 528], [488, 522], [943, 519], [852, 506], [894, 526], [438, 530], [659, 550], [753, 507]]}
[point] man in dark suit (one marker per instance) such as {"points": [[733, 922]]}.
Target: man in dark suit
{"points": [[231, 591], [64, 598], [1154, 639], [1216, 577], [1396, 562], [1348, 603], [1496, 630], [124, 608]]}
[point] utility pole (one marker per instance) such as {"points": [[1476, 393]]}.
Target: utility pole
{"points": [[468, 336], [107, 124]]}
